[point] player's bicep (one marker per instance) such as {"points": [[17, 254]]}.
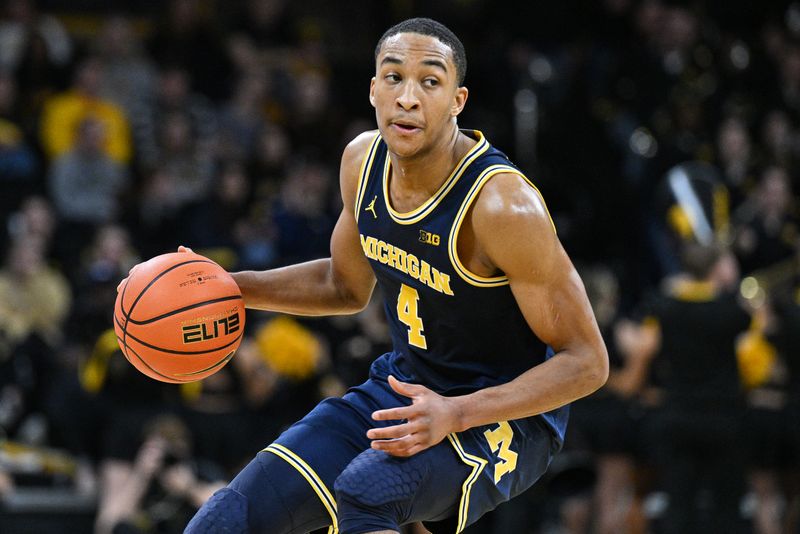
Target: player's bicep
{"points": [[544, 282], [553, 300]]}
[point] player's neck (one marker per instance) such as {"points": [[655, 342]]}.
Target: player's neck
{"points": [[426, 172]]}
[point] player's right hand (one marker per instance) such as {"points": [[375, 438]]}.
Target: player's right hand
{"points": [[181, 248]]}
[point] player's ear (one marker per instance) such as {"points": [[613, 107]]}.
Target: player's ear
{"points": [[459, 101], [372, 91]]}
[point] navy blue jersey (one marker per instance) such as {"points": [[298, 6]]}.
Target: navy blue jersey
{"points": [[452, 330]]}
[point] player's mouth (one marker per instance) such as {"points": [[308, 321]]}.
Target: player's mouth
{"points": [[406, 127]]}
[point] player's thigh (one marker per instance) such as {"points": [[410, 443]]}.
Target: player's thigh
{"points": [[275, 490]]}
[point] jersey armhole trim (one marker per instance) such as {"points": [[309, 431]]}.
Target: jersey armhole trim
{"points": [[477, 464], [364, 172], [312, 478], [452, 248]]}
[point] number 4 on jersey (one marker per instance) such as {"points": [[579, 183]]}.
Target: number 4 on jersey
{"points": [[407, 312]]}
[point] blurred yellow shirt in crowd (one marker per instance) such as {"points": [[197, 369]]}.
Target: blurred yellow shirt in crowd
{"points": [[35, 304], [63, 114]]}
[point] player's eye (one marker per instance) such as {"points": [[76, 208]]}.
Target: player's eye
{"points": [[431, 82], [392, 77]]}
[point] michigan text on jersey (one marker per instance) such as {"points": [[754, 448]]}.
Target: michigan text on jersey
{"points": [[399, 259]]}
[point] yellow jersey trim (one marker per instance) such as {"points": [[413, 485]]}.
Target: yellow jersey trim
{"points": [[477, 463], [452, 248], [363, 173], [312, 478], [419, 213]]}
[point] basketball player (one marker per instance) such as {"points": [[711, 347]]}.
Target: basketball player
{"points": [[492, 331]]}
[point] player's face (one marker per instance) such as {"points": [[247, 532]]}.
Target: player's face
{"points": [[415, 93]]}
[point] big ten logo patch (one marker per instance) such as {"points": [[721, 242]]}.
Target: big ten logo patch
{"points": [[429, 238], [211, 327]]}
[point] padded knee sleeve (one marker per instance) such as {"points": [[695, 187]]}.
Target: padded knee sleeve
{"points": [[225, 511], [376, 490], [375, 478]]}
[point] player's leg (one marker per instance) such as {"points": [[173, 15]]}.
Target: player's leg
{"points": [[377, 492], [454, 482], [289, 485], [267, 496]]}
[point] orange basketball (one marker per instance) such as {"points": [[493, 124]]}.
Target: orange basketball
{"points": [[179, 317]]}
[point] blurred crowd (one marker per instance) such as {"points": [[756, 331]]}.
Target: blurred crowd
{"points": [[664, 134]]}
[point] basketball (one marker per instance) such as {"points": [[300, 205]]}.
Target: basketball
{"points": [[179, 317]]}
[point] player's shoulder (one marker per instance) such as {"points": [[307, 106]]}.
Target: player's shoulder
{"points": [[508, 201], [357, 148], [352, 156]]}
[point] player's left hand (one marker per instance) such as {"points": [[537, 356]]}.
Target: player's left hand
{"points": [[429, 419]]}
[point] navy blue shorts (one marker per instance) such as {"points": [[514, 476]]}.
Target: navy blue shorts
{"points": [[464, 476]]}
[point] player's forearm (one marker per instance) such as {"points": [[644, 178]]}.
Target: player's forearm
{"points": [[304, 289], [550, 385]]}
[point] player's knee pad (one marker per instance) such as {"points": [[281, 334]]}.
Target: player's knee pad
{"points": [[375, 491], [225, 511], [375, 478]]}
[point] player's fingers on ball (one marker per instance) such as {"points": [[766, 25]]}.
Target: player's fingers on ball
{"points": [[181, 248]]}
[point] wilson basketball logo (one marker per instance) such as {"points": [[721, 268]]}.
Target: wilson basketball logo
{"points": [[197, 277], [206, 328]]}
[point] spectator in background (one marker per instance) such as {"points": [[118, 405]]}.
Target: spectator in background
{"points": [[19, 167], [790, 75], [34, 219], [155, 219], [188, 161], [270, 159], [767, 229], [771, 451], [301, 213], [108, 258], [783, 332], [64, 112], [185, 37], [735, 158], [222, 410], [156, 483], [312, 116], [215, 225], [243, 118], [608, 423], [85, 184], [128, 75], [21, 23], [779, 139], [264, 24], [34, 299], [692, 331], [173, 98]]}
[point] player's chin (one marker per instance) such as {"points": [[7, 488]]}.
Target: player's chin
{"points": [[405, 146]]}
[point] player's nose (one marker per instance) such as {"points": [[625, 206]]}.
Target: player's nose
{"points": [[408, 99]]}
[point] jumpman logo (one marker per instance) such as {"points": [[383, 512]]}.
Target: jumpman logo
{"points": [[371, 207]]}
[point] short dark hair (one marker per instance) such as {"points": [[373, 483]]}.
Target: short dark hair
{"points": [[699, 260], [430, 27]]}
